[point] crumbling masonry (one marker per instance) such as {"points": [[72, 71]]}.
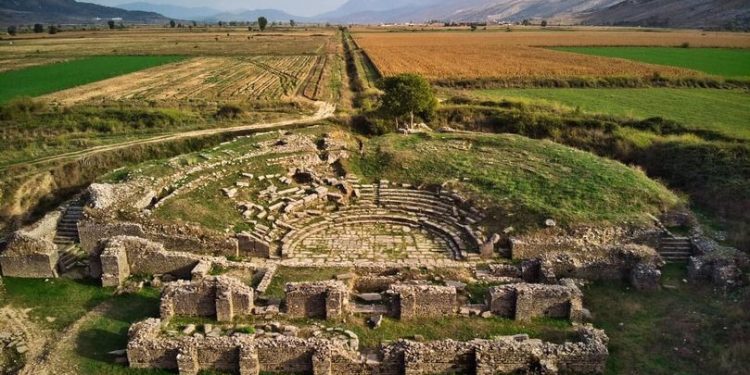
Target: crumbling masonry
{"points": [[148, 347], [219, 296]]}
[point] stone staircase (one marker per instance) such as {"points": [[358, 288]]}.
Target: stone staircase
{"points": [[67, 228], [675, 249], [66, 238], [71, 257]]}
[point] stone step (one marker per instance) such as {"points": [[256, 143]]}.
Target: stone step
{"points": [[65, 240], [674, 253], [674, 247], [675, 240]]}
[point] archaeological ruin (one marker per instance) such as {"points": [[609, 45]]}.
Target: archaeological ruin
{"points": [[291, 251]]}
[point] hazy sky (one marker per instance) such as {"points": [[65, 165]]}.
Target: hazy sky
{"points": [[296, 7]]}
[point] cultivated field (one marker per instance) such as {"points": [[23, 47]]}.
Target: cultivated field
{"points": [[513, 55], [39, 80], [209, 78], [735, 63], [160, 41], [730, 109]]}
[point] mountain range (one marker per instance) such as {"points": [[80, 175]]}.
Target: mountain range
{"points": [[68, 11], [659, 13], [206, 14]]}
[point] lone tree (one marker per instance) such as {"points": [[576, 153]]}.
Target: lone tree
{"points": [[38, 28], [12, 30], [172, 24], [111, 24], [292, 23], [407, 94], [544, 23], [262, 23], [53, 29]]}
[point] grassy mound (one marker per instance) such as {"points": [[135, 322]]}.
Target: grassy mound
{"points": [[527, 180]]}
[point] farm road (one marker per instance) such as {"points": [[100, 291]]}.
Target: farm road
{"points": [[325, 110]]}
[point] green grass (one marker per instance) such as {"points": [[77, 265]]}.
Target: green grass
{"points": [[40, 80], [691, 329], [109, 332], [62, 299], [522, 180], [724, 62], [724, 111], [294, 274], [460, 329]]}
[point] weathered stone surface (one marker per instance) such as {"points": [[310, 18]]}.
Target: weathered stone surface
{"points": [[114, 260], [326, 299], [27, 256], [423, 301], [527, 301], [219, 296], [645, 277], [148, 348], [722, 266]]}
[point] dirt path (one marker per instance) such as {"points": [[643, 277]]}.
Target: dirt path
{"points": [[54, 354], [325, 110], [17, 321]]}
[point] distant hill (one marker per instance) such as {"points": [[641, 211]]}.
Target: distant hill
{"points": [[68, 11], [173, 11], [273, 15], [661, 13], [374, 11], [675, 13]]}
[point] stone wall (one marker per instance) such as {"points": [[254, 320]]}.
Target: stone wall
{"points": [[722, 266], [525, 301], [374, 284], [27, 256], [219, 296], [149, 348], [591, 253], [326, 299], [252, 246], [173, 237], [115, 259], [30, 251], [423, 301]]}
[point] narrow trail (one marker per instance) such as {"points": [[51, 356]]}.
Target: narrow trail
{"points": [[325, 110], [51, 359], [17, 321]]}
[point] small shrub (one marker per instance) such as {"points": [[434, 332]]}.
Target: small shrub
{"points": [[229, 111], [685, 45], [20, 108], [247, 330]]}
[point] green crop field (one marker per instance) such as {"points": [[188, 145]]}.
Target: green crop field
{"points": [[40, 80], [725, 62], [725, 111]]}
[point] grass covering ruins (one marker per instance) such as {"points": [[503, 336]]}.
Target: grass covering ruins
{"points": [[367, 200]]}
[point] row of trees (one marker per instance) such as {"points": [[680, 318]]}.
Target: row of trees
{"points": [[262, 24], [38, 28]]}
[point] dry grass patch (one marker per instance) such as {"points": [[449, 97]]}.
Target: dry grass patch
{"points": [[205, 78]]}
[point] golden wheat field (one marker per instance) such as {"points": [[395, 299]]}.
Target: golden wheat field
{"points": [[209, 79], [519, 55], [159, 41]]}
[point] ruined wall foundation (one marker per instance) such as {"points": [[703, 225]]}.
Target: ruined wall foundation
{"points": [[219, 296]]}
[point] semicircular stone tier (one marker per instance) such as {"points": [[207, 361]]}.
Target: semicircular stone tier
{"points": [[385, 224]]}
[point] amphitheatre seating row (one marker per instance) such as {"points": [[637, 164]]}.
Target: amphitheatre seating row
{"points": [[450, 233]]}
